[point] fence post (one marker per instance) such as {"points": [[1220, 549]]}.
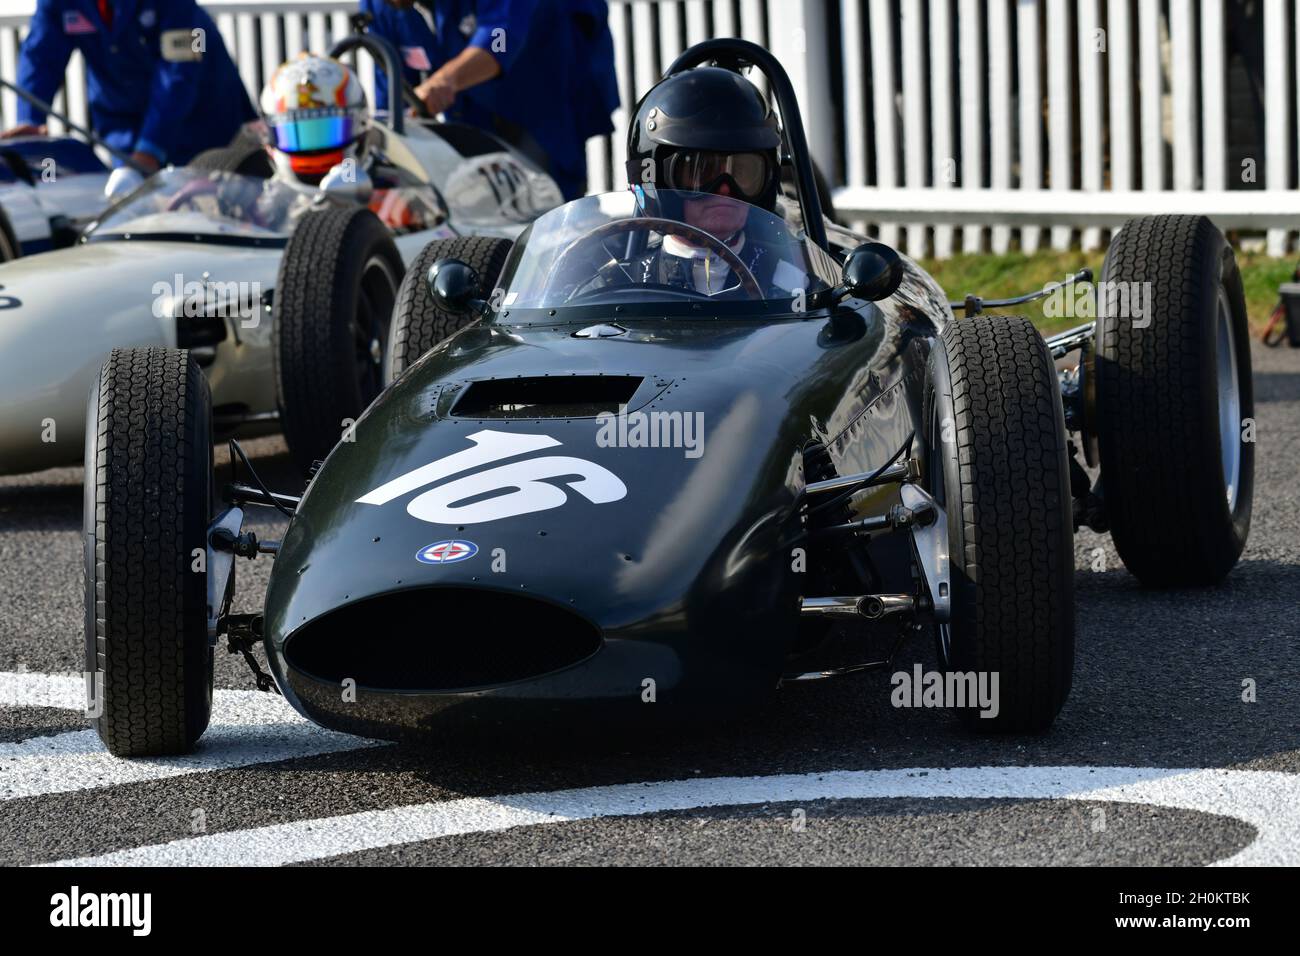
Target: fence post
{"points": [[1182, 34], [9, 46], [645, 70], [1152, 118], [1277, 106], [882, 77], [1119, 56], [1214, 82], [969, 31], [1000, 61], [943, 159], [626, 94], [1060, 109], [792, 23], [914, 110], [1031, 112], [246, 57], [272, 54], [1090, 115]]}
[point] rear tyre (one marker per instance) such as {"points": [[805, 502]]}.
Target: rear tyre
{"points": [[996, 446], [1173, 391], [242, 158], [148, 503], [418, 323], [333, 304]]}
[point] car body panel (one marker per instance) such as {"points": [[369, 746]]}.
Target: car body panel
{"points": [[688, 576], [50, 186], [489, 189], [54, 336], [63, 311]]}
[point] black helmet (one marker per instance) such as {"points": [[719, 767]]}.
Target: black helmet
{"points": [[701, 127]]}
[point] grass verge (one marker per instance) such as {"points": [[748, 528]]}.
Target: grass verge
{"points": [[1015, 273]]}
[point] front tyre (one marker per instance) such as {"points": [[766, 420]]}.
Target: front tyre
{"points": [[418, 323], [1173, 398], [334, 299], [148, 503], [996, 460]]}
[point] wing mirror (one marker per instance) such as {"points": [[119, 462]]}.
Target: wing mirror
{"points": [[454, 287], [873, 271]]}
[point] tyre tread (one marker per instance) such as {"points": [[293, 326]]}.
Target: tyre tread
{"points": [[1017, 537], [1152, 402], [150, 431], [312, 347], [418, 323]]}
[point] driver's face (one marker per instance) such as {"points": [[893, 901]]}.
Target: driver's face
{"points": [[719, 214]]}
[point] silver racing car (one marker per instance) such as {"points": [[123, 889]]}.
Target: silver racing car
{"points": [[283, 294]]}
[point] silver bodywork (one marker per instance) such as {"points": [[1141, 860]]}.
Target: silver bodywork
{"points": [[61, 312], [78, 197], [68, 308]]}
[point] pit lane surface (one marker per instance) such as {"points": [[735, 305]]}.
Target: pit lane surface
{"points": [[1156, 759]]}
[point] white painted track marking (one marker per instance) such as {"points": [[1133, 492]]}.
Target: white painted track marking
{"points": [[1268, 801], [68, 692], [248, 727]]}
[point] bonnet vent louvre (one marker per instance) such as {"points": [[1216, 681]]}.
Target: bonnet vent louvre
{"points": [[550, 396]]}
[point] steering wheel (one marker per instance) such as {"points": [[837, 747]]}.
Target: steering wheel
{"points": [[665, 227], [186, 195]]}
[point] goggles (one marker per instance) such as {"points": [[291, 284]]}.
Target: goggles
{"points": [[296, 133], [703, 171]]}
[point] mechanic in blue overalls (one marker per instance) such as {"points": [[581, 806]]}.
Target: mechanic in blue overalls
{"points": [[537, 73], [162, 86]]}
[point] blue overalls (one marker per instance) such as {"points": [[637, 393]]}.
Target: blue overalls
{"points": [[557, 85], [139, 101]]}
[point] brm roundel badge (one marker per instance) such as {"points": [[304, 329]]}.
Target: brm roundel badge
{"points": [[446, 552]]}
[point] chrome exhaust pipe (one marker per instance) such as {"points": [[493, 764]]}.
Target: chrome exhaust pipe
{"points": [[871, 606], [876, 606], [831, 607]]}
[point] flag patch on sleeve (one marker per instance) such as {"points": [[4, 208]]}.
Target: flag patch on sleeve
{"points": [[76, 23]]}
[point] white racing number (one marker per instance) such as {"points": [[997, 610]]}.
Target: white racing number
{"points": [[518, 488]]}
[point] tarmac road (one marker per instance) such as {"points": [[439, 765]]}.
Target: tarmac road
{"points": [[1156, 758]]}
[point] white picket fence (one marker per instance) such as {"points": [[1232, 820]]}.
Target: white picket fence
{"points": [[948, 125], [1120, 94]]}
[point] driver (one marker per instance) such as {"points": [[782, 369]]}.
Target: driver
{"points": [[317, 115], [319, 124], [704, 149]]}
